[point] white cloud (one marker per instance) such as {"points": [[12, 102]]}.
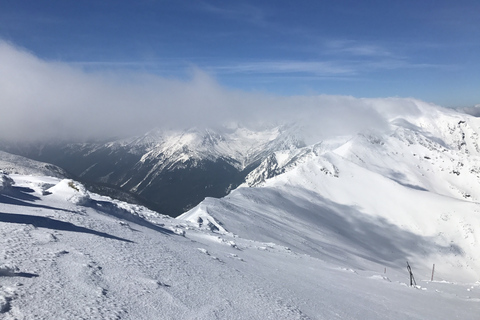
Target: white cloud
{"points": [[317, 68], [237, 11], [356, 48], [50, 100], [352, 68]]}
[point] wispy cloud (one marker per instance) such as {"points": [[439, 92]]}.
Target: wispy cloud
{"points": [[348, 68], [356, 48], [236, 10], [396, 64], [317, 68]]}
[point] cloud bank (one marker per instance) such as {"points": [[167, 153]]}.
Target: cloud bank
{"points": [[44, 100], [473, 111]]}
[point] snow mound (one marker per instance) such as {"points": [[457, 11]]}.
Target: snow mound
{"points": [[71, 191], [200, 217], [5, 182]]}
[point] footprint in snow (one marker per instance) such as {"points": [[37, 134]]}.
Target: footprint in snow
{"points": [[235, 256], [205, 251], [379, 277]]}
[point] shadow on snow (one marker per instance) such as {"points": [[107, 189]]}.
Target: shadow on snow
{"points": [[8, 273], [20, 196], [319, 225], [49, 223], [112, 209]]}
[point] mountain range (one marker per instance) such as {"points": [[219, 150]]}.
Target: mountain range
{"points": [[323, 230], [168, 170]]}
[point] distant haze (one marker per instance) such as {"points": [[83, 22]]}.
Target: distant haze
{"points": [[44, 100]]}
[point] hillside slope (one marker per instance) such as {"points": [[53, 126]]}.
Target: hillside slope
{"points": [[10, 163], [407, 193], [70, 254]]}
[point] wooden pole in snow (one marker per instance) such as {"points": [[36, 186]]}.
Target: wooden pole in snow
{"points": [[433, 270]]}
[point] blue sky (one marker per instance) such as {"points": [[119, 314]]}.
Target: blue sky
{"points": [[423, 49]]}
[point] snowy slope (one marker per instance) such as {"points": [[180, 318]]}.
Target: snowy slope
{"points": [[10, 163], [407, 193], [238, 145], [63, 258]]}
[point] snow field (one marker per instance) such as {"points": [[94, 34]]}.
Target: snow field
{"points": [[76, 262]]}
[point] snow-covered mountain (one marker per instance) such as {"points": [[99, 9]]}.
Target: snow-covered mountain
{"points": [[315, 232], [437, 151], [171, 170], [410, 192]]}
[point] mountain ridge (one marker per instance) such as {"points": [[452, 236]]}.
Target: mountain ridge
{"points": [[419, 179], [171, 170]]}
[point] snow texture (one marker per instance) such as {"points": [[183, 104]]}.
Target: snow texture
{"points": [[65, 261], [10, 163]]}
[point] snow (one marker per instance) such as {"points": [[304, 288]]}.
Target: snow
{"points": [[71, 191], [5, 182], [410, 193], [325, 233], [63, 260], [239, 145], [10, 163]]}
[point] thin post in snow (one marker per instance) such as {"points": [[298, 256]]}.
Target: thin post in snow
{"points": [[412, 278], [433, 271]]}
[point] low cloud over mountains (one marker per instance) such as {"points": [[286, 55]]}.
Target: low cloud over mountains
{"points": [[45, 100]]}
